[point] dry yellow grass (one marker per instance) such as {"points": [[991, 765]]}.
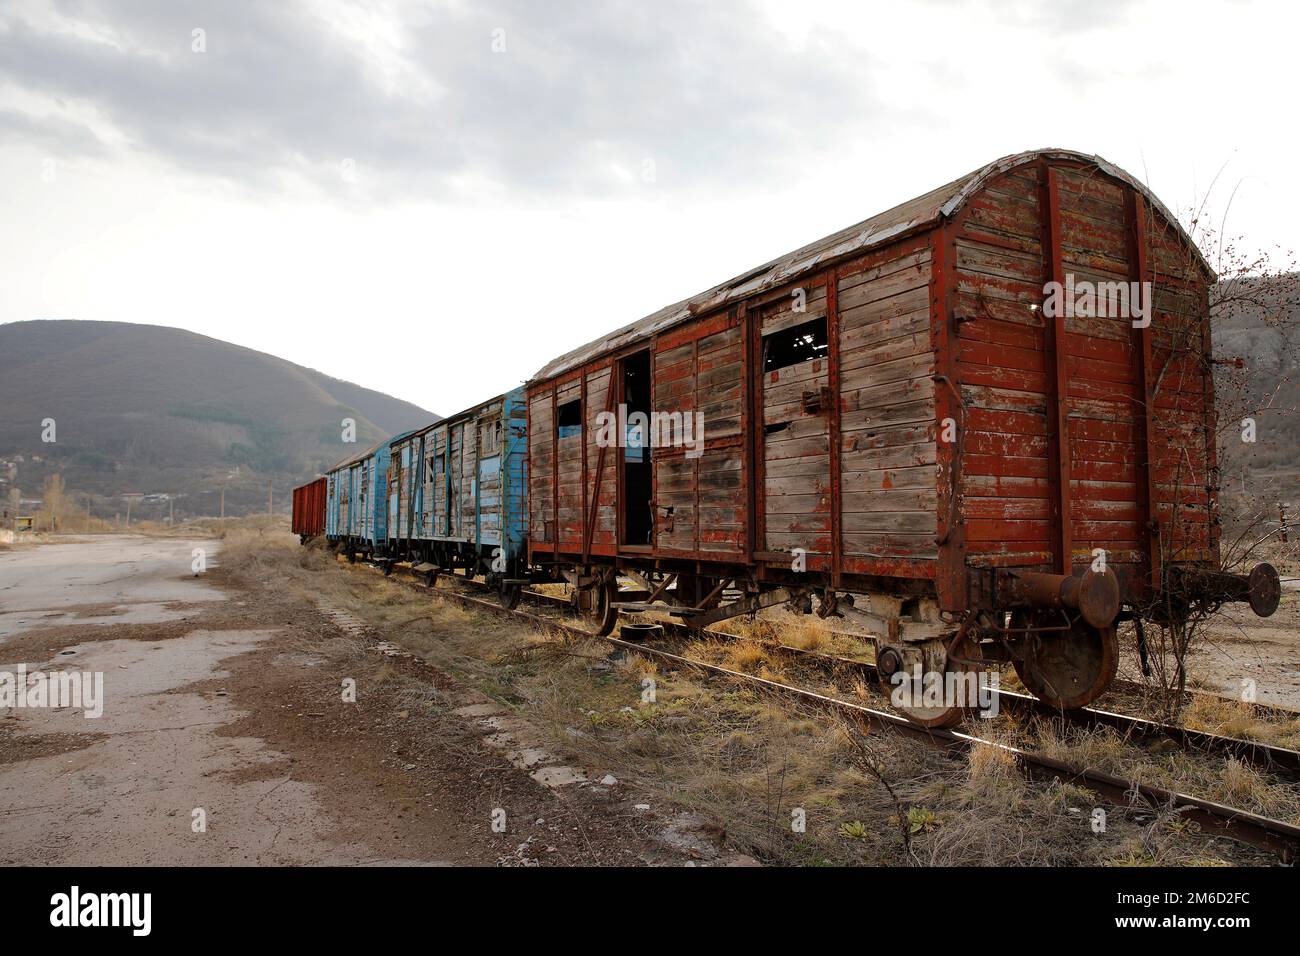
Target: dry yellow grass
{"points": [[1233, 718], [742, 759]]}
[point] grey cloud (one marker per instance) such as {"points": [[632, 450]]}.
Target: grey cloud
{"points": [[54, 134], [706, 92]]}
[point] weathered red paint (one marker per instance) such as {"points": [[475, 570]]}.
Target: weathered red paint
{"points": [[1060, 388], [309, 509], [1048, 456]]}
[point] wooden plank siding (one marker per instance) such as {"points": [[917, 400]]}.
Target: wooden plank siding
{"points": [[887, 410], [1104, 402], [1006, 490], [600, 503], [1058, 449], [796, 499], [1183, 454]]}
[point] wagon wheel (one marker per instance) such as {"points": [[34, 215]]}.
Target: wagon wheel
{"points": [[962, 657], [508, 595], [1069, 669], [601, 609]]}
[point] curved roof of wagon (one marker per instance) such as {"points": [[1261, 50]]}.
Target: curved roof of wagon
{"points": [[355, 457], [914, 215]]}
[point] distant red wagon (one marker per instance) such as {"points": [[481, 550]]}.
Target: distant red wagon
{"points": [[902, 426], [309, 509]]}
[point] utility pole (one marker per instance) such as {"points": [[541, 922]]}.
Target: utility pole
{"points": [[270, 497], [171, 508], [223, 501], [128, 512]]}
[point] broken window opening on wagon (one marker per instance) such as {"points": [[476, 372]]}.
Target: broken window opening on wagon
{"points": [[801, 343], [568, 419]]}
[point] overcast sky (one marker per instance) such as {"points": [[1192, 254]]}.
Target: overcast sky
{"points": [[434, 199]]}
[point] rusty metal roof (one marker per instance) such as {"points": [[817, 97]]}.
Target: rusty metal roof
{"points": [[914, 215]]}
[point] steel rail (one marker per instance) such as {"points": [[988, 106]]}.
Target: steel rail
{"points": [[1264, 756], [1275, 836]]}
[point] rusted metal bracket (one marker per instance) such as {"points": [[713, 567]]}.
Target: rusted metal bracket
{"points": [[1094, 594], [746, 605], [816, 402], [1261, 589]]}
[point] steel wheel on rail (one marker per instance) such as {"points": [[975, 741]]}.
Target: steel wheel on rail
{"points": [[1068, 669], [508, 595], [961, 656], [601, 608]]}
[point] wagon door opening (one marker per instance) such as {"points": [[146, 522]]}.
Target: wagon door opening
{"points": [[796, 399], [636, 485]]}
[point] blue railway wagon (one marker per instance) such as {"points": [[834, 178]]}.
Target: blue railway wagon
{"points": [[377, 477], [457, 494], [373, 510], [404, 470], [355, 512]]}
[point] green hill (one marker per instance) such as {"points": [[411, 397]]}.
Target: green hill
{"points": [[157, 410]]}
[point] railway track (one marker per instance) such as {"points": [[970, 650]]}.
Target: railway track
{"points": [[1266, 833], [1258, 754]]}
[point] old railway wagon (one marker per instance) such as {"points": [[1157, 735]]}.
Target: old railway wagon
{"points": [[308, 516], [457, 495], [900, 426], [356, 512]]}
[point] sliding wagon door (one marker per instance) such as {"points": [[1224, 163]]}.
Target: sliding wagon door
{"points": [[796, 401]]}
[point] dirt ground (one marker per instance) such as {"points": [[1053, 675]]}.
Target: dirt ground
{"points": [[224, 700], [1243, 651], [319, 713]]}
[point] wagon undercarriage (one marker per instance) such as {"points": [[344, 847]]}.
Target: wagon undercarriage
{"points": [[1059, 632]]}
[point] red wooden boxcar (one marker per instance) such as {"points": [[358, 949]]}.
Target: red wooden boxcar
{"points": [[309, 509], [900, 412]]}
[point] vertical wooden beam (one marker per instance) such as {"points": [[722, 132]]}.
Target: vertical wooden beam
{"points": [[528, 485], [654, 470], [748, 430], [617, 396], [1148, 498], [833, 425], [759, 429], [950, 579], [590, 516], [695, 462], [555, 468], [587, 521], [1060, 388]]}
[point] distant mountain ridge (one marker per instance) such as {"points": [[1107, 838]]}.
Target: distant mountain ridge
{"points": [[154, 409]]}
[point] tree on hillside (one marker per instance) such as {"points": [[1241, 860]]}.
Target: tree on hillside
{"points": [[54, 503]]}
